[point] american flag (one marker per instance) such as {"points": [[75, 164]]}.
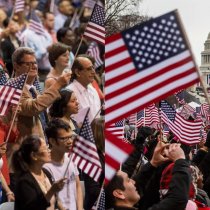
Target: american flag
{"points": [[37, 85], [180, 97], [117, 129], [205, 110], [203, 134], [132, 119], [117, 152], [152, 116], [165, 129], [3, 78], [35, 24], [10, 93], [95, 29], [197, 114], [146, 63], [89, 4], [94, 51], [140, 119], [19, 34], [85, 153], [187, 131], [100, 202], [19, 6], [189, 109]]}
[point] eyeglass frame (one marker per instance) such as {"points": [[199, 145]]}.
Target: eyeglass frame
{"points": [[91, 68], [66, 138], [27, 63]]}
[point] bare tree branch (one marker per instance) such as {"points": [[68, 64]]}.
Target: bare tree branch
{"points": [[121, 14]]}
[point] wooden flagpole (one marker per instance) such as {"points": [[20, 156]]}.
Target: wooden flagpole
{"points": [[160, 120], [73, 18]]}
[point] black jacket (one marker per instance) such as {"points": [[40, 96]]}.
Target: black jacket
{"points": [[177, 196], [28, 194]]}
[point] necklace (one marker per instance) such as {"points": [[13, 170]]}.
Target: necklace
{"points": [[42, 181]]}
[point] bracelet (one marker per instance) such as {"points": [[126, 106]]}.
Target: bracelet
{"points": [[10, 193]]}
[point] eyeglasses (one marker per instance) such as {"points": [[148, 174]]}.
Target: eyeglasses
{"points": [[45, 150], [66, 138], [91, 68], [28, 63]]}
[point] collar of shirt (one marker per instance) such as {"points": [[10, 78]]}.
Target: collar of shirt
{"points": [[80, 87]]}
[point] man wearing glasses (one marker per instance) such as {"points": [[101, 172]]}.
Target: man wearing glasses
{"points": [[83, 74], [32, 102], [61, 139]]}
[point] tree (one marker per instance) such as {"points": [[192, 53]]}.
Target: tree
{"points": [[121, 14]]}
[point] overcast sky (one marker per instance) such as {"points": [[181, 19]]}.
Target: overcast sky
{"points": [[195, 16]]}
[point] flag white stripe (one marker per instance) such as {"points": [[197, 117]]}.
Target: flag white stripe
{"points": [[119, 71], [94, 37], [99, 28], [111, 149], [117, 58], [112, 45]]}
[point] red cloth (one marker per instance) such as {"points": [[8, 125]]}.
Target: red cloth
{"points": [[100, 94], [13, 136], [166, 179]]}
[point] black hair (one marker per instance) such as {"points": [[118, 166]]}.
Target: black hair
{"points": [[58, 107], [61, 33], [115, 183], [78, 65], [53, 126], [21, 158]]}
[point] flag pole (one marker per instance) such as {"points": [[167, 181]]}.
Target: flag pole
{"points": [[197, 70], [52, 5], [144, 116], [97, 204], [160, 121], [73, 18], [97, 114], [15, 114], [70, 158]]}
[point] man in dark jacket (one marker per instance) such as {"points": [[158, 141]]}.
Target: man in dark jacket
{"points": [[121, 193]]}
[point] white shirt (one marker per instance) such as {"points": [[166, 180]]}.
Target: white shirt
{"points": [[87, 97], [68, 195]]}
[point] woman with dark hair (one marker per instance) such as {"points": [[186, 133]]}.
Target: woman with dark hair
{"points": [[64, 107], [34, 190], [59, 60]]}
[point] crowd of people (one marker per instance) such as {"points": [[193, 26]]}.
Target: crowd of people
{"points": [[38, 134], [161, 173]]}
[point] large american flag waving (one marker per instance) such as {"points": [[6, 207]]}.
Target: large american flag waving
{"points": [[146, 63]]}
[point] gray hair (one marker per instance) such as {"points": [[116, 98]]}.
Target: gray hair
{"points": [[20, 52]]}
